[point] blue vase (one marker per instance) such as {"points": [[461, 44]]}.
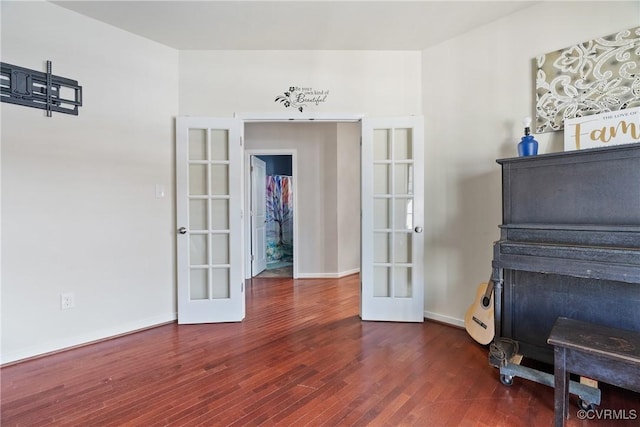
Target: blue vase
{"points": [[527, 146]]}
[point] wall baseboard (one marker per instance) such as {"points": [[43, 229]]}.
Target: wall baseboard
{"points": [[133, 327], [349, 272], [58, 346], [444, 319], [327, 275]]}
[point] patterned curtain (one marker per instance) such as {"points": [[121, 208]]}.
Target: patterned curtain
{"points": [[279, 212]]}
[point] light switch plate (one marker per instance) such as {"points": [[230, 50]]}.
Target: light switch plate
{"points": [[159, 191]]}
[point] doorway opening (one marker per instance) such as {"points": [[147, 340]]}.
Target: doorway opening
{"points": [[272, 209], [326, 192], [212, 214]]}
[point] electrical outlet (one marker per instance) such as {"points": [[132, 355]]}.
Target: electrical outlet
{"points": [[67, 301]]}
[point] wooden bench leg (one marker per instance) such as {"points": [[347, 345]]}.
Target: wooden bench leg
{"points": [[561, 380]]}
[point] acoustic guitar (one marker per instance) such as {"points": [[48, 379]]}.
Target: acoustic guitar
{"points": [[479, 320]]}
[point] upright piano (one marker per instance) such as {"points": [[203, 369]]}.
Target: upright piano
{"points": [[569, 245]]}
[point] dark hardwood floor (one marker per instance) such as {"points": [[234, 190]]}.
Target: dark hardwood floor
{"points": [[301, 357]]}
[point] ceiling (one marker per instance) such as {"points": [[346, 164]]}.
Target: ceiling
{"points": [[297, 25]]}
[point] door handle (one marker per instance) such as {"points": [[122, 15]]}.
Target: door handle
{"points": [[418, 229], [182, 230]]}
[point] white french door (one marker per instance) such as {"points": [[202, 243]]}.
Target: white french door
{"points": [[258, 216], [209, 220], [392, 254]]}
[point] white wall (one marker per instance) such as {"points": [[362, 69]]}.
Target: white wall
{"points": [[220, 83], [328, 184], [348, 197], [317, 193], [79, 212], [476, 90], [78, 207]]}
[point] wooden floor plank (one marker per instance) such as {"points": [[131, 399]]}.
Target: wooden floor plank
{"points": [[301, 357]]}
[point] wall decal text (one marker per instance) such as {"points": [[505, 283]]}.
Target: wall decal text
{"points": [[300, 97]]}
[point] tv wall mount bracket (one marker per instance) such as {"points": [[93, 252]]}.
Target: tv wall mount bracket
{"points": [[36, 89]]}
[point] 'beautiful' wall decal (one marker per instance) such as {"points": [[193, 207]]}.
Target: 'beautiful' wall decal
{"points": [[299, 97]]}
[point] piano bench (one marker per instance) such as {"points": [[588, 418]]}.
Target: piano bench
{"points": [[594, 351]]}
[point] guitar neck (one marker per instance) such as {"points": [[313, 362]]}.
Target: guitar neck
{"points": [[486, 298]]}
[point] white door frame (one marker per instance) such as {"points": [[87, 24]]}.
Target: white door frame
{"points": [[247, 200], [301, 117], [281, 118]]}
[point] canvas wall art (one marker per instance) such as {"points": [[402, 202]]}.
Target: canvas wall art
{"points": [[596, 76]]}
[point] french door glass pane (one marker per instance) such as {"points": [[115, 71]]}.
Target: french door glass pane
{"points": [[219, 180], [198, 249], [220, 283], [402, 144], [197, 180], [197, 214], [393, 211], [381, 213], [403, 214], [402, 179], [198, 284], [380, 144], [219, 144], [381, 252], [402, 282], [402, 247], [219, 214], [381, 282], [220, 249], [209, 214], [381, 179], [197, 144]]}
